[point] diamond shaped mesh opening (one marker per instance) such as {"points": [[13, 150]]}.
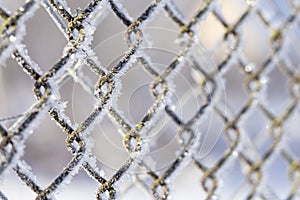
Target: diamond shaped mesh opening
{"points": [[160, 99]]}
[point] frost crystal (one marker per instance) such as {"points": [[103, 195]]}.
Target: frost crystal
{"points": [[204, 64]]}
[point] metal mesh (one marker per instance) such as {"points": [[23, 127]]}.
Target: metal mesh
{"points": [[245, 165]]}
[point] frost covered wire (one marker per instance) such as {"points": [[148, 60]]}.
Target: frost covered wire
{"points": [[78, 30]]}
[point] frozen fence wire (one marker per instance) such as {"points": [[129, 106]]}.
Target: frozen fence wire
{"points": [[258, 124]]}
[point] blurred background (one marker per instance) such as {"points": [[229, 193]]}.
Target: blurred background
{"points": [[45, 149]]}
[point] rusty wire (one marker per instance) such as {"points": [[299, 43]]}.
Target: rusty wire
{"points": [[78, 52]]}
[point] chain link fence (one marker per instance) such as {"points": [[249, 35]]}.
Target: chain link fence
{"points": [[179, 99]]}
